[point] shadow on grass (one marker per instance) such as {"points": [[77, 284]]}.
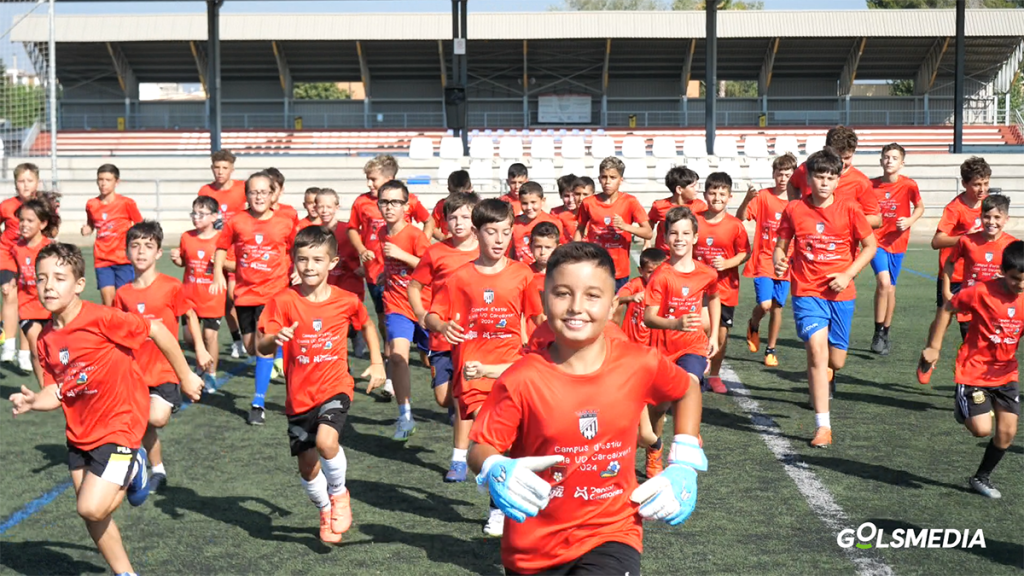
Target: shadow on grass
{"points": [[55, 455], [1005, 553], [39, 557], [382, 446], [228, 401], [470, 555], [175, 500], [1013, 449], [410, 500], [879, 473]]}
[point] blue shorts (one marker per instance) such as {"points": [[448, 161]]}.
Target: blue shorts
{"points": [[888, 262], [401, 327], [620, 282], [116, 276], [693, 364], [377, 295], [441, 368], [813, 314], [766, 289]]}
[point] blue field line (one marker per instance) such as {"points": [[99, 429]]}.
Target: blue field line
{"points": [[36, 505], [921, 274]]}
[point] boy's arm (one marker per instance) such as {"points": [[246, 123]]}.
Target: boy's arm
{"points": [[656, 322], [375, 371], [840, 280], [715, 315], [176, 257], [219, 284], [203, 358], [415, 290], [914, 217], [473, 370], [392, 250], [741, 212], [191, 384], [642, 230], [945, 279], [357, 243], [686, 412], [42, 401], [735, 261], [431, 230], [779, 256]]}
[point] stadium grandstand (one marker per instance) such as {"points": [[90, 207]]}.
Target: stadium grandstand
{"points": [[596, 84]]}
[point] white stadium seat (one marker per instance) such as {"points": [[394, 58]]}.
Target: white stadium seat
{"points": [[755, 147], [577, 166], [814, 143], [726, 147], [732, 168], [542, 170], [664, 165], [446, 168], [542, 147], [785, 144], [602, 147], [421, 149], [481, 172], [451, 148], [510, 148], [760, 170], [695, 147], [573, 147], [664, 147], [481, 147], [700, 166]]}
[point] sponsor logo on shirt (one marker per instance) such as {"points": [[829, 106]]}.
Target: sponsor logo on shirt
{"points": [[581, 492], [558, 473], [588, 423], [612, 470]]}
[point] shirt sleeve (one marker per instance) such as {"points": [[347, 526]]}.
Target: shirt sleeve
{"points": [[628, 290], [88, 216], [359, 317], [181, 302], [584, 220], [440, 302], [948, 221], [636, 212], [669, 382], [498, 422], [712, 286], [534, 306], [355, 220], [963, 300], [957, 251], [867, 199], [123, 328], [133, 211], [741, 242], [914, 192], [799, 178], [420, 243], [419, 212], [118, 303], [655, 292], [226, 236], [438, 214], [786, 230], [754, 208], [424, 271], [272, 319], [44, 363], [859, 225]]}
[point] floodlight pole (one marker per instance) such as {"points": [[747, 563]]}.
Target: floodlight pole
{"points": [[51, 74], [213, 71], [460, 68], [958, 78], [711, 74]]}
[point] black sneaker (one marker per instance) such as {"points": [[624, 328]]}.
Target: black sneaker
{"points": [[886, 345], [983, 486], [256, 416], [157, 481], [877, 343]]}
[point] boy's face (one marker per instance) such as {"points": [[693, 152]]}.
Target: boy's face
{"points": [[690, 192], [28, 223], [392, 205], [977, 187], [313, 264], [647, 269], [847, 157], [57, 284], [822, 184], [680, 237], [782, 177], [532, 205], [202, 218], [992, 221], [541, 248], [892, 162], [582, 193], [27, 184], [374, 180], [579, 300], [514, 183], [610, 180], [717, 198], [106, 182], [309, 202], [275, 193], [460, 222], [570, 200], [326, 208], [1014, 281], [259, 195], [143, 253], [222, 171], [494, 239]]}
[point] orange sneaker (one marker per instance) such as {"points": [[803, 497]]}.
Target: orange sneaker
{"points": [[327, 536], [654, 464], [717, 386], [771, 360], [341, 513], [924, 371], [822, 437], [753, 338]]}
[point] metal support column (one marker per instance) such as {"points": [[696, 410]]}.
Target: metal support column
{"points": [[526, 87], [213, 75], [604, 82], [958, 83], [711, 76], [464, 65], [52, 81]]}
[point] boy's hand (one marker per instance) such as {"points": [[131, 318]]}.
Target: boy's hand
{"points": [[453, 332], [376, 374], [218, 285], [930, 355], [86, 230], [672, 495], [751, 190], [176, 256], [392, 251], [366, 256], [977, 228], [204, 360], [473, 370], [637, 298], [903, 223], [618, 222], [286, 334], [712, 347], [192, 387], [689, 323], [718, 263], [515, 486], [840, 280], [22, 400], [296, 279], [781, 267]]}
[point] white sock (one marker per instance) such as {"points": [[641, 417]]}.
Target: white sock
{"points": [[159, 469], [405, 411], [316, 489], [24, 356], [459, 455], [10, 344], [334, 471], [822, 419]]}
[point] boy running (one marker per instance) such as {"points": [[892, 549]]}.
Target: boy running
{"points": [[277, 191], [89, 371], [517, 176], [568, 399], [311, 322], [110, 215], [570, 203], [631, 297], [436, 227], [26, 183], [309, 203], [682, 184], [531, 200], [543, 241], [824, 232]]}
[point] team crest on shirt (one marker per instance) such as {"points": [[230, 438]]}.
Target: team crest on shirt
{"points": [[65, 356], [607, 220], [989, 256], [201, 253], [888, 195], [318, 324], [686, 290], [820, 227], [28, 261], [259, 238], [223, 207], [977, 222], [710, 241], [141, 307], [489, 296], [103, 216], [778, 215], [588, 423], [1011, 311]]}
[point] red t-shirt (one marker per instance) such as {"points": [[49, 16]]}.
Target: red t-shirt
{"points": [[513, 199], [766, 211], [823, 240], [894, 202], [397, 273], [317, 357], [24, 256], [853, 187], [521, 230], [366, 219], [197, 256], [534, 301], [537, 409], [543, 336], [596, 219], [261, 250], [660, 209], [725, 238], [979, 259], [633, 322], [288, 212], [164, 300], [304, 223], [490, 309], [100, 386], [437, 215], [230, 200], [957, 219], [345, 275], [439, 262], [988, 356], [111, 222], [569, 222], [677, 294], [9, 218]]}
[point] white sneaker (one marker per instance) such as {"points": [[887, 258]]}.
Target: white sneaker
{"points": [[495, 525], [8, 354], [25, 362], [404, 429], [359, 348], [238, 350], [388, 391]]}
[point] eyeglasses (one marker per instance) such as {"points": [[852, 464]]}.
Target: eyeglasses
{"points": [[200, 214], [392, 203], [259, 193]]}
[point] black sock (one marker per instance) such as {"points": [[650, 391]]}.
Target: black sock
{"points": [[885, 330], [236, 336], [992, 457], [657, 445], [768, 351], [491, 503], [878, 327]]}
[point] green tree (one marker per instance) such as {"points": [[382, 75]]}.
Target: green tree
{"points": [[901, 87], [587, 5], [722, 5], [319, 91], [918, 4], [20, 106]]}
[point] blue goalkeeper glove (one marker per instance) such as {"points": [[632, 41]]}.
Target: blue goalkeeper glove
{"points": [[515, 488], [672, 495]]}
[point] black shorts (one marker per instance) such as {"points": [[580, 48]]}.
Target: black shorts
{"points": [[248, 316], [974, 401], [7, 276], [111, 462], [302, 427], [609, 558], [954, 287], [26, 324], [169, 393], [377, 295], [206, 323], [728, 312]]}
